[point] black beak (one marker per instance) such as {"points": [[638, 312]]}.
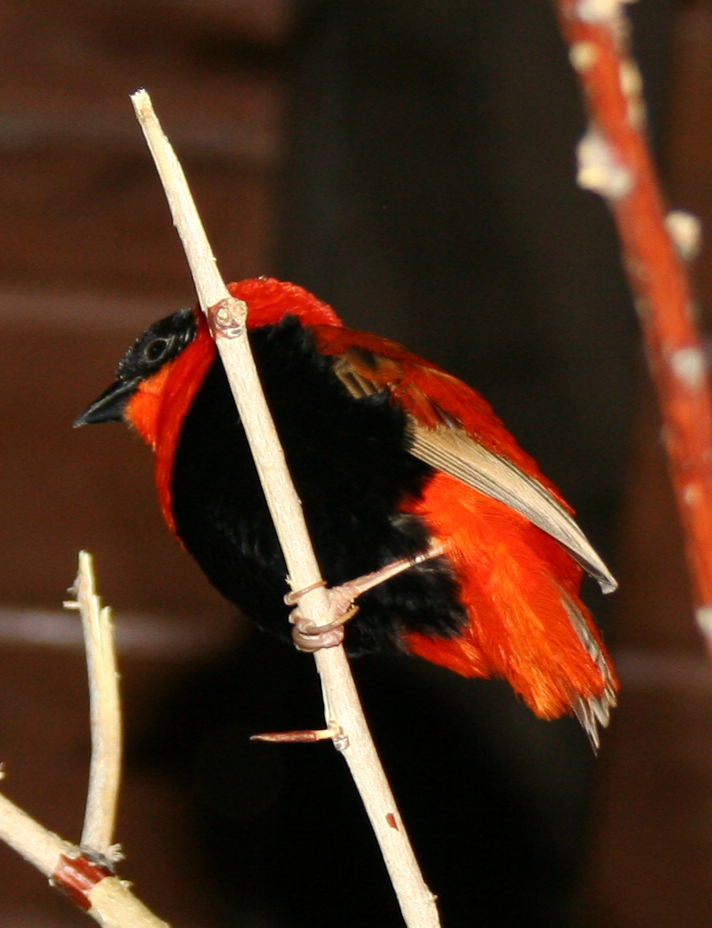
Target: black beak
{"points": [[109, 407]]}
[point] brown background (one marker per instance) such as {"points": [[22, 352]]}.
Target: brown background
{"points": [[87, 257]]}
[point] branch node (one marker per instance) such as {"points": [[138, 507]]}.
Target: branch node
{"points": [[600, 12], [689, 364], [77, 876], [340, 739], [108, 858], [227, 318], [583, 55], [703, 617], [685, 230], [599, 169]]}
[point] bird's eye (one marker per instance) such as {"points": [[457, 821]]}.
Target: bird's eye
{"points": [[155, 350]]}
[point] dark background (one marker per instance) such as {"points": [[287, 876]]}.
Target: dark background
{"points": [[414, 164]]}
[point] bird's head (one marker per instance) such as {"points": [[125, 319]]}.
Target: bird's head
{"points": [[172, 356], [147, 362]]}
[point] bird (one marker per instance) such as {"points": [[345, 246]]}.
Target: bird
{"points": [[393, 460]]}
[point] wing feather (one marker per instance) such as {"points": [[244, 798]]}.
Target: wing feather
{"points": [[447, 438], [453, 451]]}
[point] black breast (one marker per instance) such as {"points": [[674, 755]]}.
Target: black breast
{"points": [[349, 463]]}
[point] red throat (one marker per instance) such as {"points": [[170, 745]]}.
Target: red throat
{"points": [[160, 404]]}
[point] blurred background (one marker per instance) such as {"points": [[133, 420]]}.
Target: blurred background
{"points": [[413, 163]]}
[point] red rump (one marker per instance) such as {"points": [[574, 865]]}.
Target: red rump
{"points": [[511, 576]]}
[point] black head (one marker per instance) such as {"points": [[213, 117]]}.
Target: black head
{"points": [[161, 342]]}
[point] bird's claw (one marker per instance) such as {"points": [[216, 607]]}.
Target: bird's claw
{"points": [[310, 637]]}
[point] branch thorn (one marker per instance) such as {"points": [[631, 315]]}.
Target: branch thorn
{"points": [[305, 736]]}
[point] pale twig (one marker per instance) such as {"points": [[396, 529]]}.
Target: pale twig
{"points": [[36, 844], [342, 705], [105, 714], [83, 872], [102, 895]]}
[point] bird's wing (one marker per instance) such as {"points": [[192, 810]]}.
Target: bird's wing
{"points": [[454, 430], [453, 451]]}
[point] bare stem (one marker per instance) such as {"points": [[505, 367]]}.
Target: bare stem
{"points": [[342, 705], [209, 284], [104, 897], [36, 844], [615, 161], [105, 714], [88, 882]]}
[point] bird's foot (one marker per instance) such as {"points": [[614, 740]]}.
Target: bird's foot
{"points": [[310, 637]]}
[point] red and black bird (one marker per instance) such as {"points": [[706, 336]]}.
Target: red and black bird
{"points": [[390, 455]]}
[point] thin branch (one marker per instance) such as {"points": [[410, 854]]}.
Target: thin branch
{"points": [[40, 847], [342, 705], [615, 161], [230, 316], [79, 877], [105, 714], [103, 896], [209, 285], [83, 874]]}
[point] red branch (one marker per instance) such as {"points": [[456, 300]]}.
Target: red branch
{"points": [[623, 171], [77, 876]]}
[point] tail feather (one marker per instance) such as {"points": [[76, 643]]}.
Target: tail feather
{"points": [[520, 589], [592, 711]]}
